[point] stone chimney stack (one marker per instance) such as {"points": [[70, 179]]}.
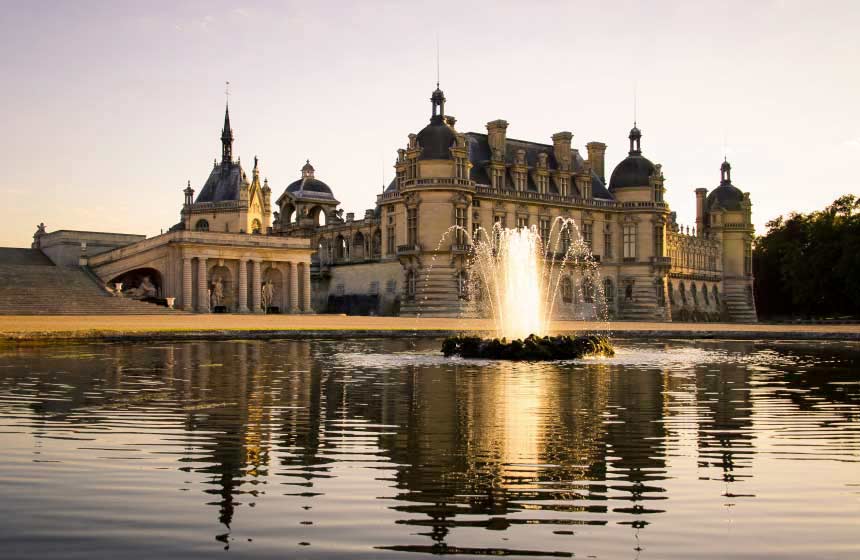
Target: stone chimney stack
{"points": [[596, 152], [700, 210], [561, 149], [497, 137]]}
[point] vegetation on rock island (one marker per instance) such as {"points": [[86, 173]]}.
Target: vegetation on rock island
{"points": [[532, 348], [809, 264]]}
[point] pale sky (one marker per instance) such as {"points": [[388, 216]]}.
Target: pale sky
{"points": [[108, 108]]}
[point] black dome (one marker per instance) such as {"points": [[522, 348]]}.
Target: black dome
{"points": [[309, 185], [727, 195], [633, 171], [436, 140]]}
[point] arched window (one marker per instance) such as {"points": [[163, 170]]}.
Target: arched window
{"points": [[672, 293], [695, 294], [256, 227], [608, 290], [588, 290], [340, 250], [716, 294], [377, 243], [705, 295], [566, 290], [201, 225], [683, 294]]}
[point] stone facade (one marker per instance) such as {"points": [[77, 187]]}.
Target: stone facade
{"points": [[404, 256]]}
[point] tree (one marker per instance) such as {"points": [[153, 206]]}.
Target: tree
{"points": [[809, 264]]}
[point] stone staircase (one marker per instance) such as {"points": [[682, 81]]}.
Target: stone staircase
{"points": [[643, 306], [436, 294], [737, 304], [30, 284]]}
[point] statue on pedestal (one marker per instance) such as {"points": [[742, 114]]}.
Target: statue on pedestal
{"points": [[268, 295], [216, 293]]}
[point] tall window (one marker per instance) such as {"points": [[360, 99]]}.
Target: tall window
{"points": [[658, 241], [607, 241], [412, 227], [658, 193], [410, 285], [565, 237], [566, 290], [629, 233], [544, 232], [522, 222], [587, 234], [461, 222], [608, 290], [391, 241]]}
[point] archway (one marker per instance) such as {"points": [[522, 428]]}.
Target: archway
{"points": [[140, 283], [288, 212], [318, 215], [358, 246], [340, 248], [201, 225]]}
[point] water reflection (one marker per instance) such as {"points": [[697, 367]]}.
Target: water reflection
{"points": [[368, 448]]}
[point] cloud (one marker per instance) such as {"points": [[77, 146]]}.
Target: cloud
{"points": [[854, 144]]}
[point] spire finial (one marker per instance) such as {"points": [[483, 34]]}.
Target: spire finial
{"points": [[227, 92], [437, 59], [227, 134]]}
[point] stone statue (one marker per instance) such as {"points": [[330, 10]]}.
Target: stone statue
{"points": [[268, 295], [144, 290], [216, 293]]}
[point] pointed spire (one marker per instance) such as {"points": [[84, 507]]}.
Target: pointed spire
{"points": [[227, 132]]}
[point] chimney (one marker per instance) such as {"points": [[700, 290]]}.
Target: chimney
{"points": [[561, 149], [700, 210], [596, 151], [496, 137]]}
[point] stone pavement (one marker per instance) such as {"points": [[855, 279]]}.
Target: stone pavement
{"points": [[187, 326]]}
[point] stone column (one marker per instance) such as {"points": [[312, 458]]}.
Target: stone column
{"points": [[285, 286], [255, 287], [202, 286], [306, 295], [243, 286], [294, 287], [187, 285]]}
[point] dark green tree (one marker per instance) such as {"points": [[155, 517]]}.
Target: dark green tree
{"points": [[809, 264]]}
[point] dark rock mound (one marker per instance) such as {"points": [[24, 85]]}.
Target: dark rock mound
{"points": [[533, 348]]}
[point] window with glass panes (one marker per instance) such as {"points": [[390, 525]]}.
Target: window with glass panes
{"points": [[412, 226], [629, 239]]}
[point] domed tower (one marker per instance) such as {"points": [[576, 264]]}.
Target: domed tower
{"points": [[637, 183], [727, 217], [307, 202], [432, 192]]}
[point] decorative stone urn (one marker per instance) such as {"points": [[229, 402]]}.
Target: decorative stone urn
{"points": [[118, 287], [170, 301]]}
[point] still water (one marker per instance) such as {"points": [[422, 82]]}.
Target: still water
{"points": [[382, 449]]}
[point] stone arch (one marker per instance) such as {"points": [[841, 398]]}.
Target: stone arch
{"points": [[716, 293], [139, 283], [376, 246], [318, 215], [672, 293], [341, 250], [201, 225], [705, 299], [288, 213], [324, 251], [277, 304], [694, 294], [358, 246], [683, 290]]}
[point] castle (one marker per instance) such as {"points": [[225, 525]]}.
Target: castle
{"points": [[231, 252]]}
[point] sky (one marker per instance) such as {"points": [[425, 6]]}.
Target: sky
{"points": [[109, 108]]}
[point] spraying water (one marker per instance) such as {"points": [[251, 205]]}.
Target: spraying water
{"points": [[523, 282]]}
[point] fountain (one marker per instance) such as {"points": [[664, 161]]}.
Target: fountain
{"points": [[521, 281]]}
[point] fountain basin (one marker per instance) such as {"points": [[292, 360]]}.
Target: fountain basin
{"points": [[532, 348]]}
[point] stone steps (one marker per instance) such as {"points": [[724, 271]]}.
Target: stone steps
{"points": [[37, 288]]}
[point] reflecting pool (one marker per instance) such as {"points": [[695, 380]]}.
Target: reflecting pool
{"points": [[383, 449]]}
